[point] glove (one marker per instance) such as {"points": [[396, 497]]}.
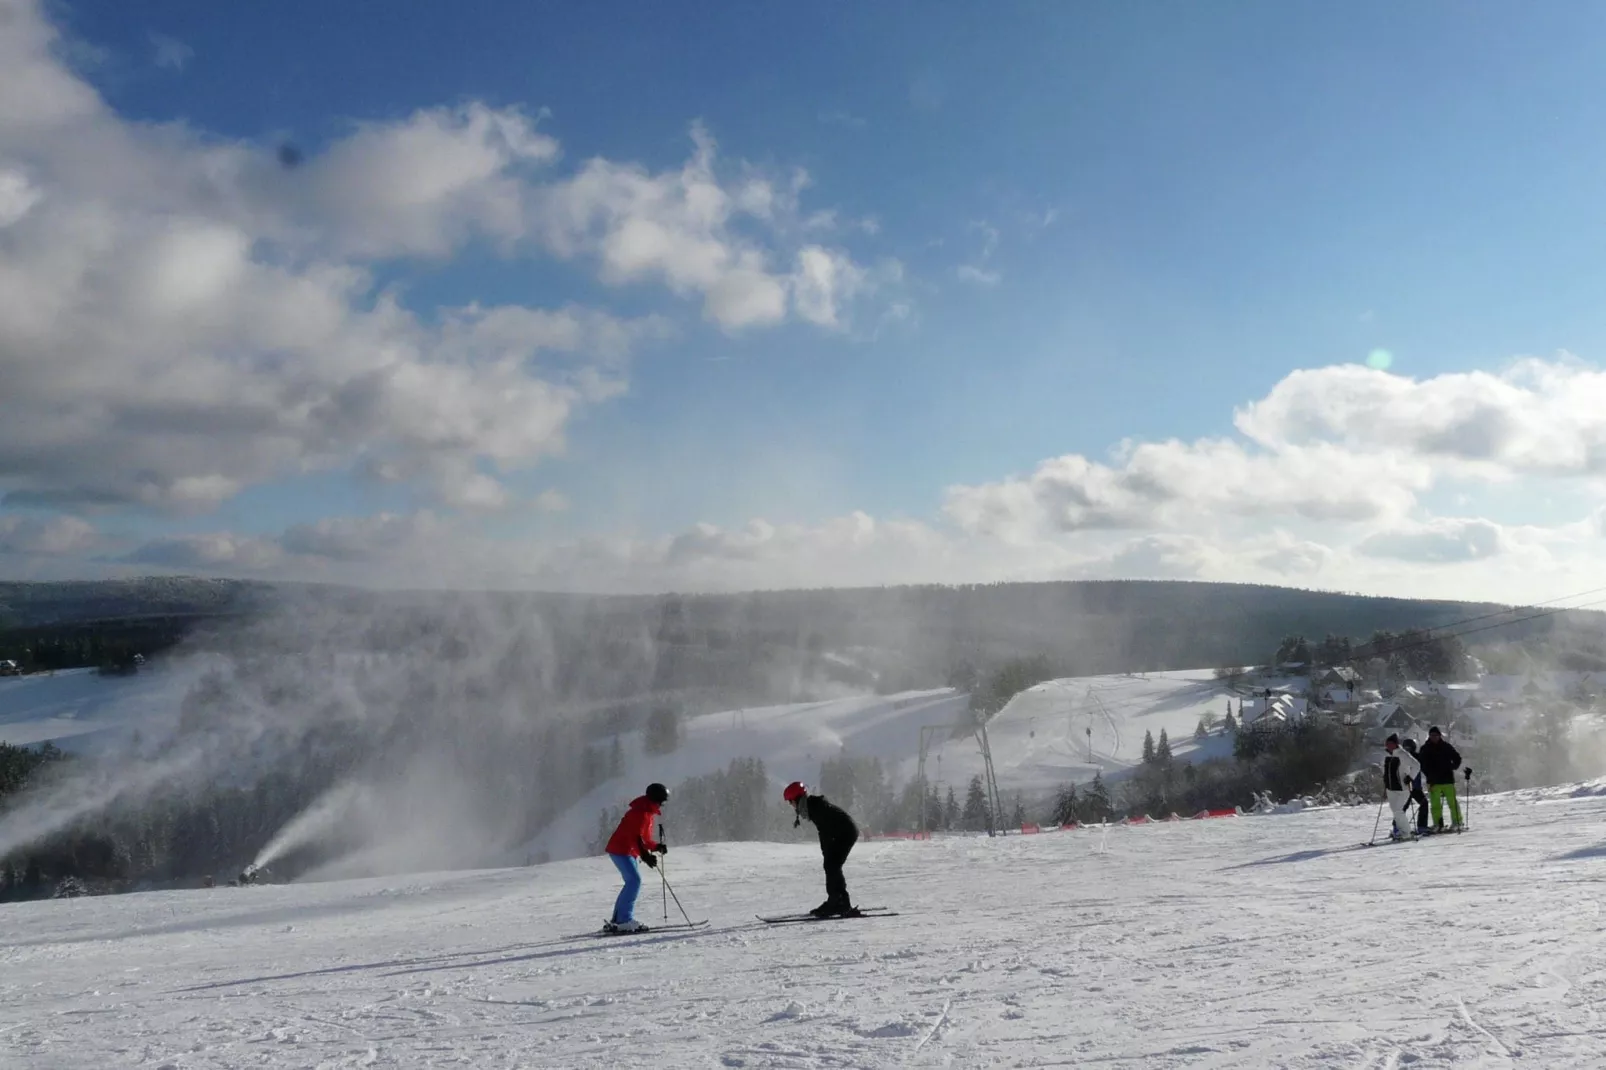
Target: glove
{"points": [[1468, 771], [663, 848], [650, 860]]}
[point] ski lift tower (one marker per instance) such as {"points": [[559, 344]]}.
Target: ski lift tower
{"points": [[994, 804], [927, 732]]}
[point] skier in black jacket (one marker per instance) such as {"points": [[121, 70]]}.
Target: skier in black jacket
{"points": [[1439, 763], [1418, 796], [838, 834]]}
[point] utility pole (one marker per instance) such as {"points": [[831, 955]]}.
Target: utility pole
{"points": [[927, 732]]}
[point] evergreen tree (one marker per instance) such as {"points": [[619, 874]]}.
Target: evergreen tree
{"points": [[1096, 802], [1066, 806], [950, 810], [663, 731], [1018, 818], [1229, 724], [1148, 748], [1162, 750], [975, 812], [1202, 731]]}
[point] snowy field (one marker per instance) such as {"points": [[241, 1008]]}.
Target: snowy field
{"points": [[1239, 942], [74, 707], [1040, 741]]}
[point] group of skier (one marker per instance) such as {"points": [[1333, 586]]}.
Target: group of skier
{"points": [[633, 840], [1422, 775], [1408, 770]]}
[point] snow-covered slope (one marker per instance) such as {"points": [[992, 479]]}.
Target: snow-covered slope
{"points": [[1240, 942], [69, 706], [1039, 741]]}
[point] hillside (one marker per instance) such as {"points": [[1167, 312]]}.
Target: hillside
{"points": [[1040, 741], [714, 651], [1255, 942]]}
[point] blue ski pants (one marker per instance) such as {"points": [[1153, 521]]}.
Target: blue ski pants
{"points": [[624, 908]]}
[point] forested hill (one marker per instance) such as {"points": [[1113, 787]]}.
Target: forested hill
{"points": [[889, 638]]}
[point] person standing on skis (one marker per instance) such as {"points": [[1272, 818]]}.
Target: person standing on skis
{"points": [[1439, 763], [1398, 770], [838, 834], [630, 841], [1418, 796]]}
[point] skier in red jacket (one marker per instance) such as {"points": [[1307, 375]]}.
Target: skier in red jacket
{"points": [[630, 841]]}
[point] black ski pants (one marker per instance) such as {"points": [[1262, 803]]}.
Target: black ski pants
{"points": [[836, 852], [1421, 801]]}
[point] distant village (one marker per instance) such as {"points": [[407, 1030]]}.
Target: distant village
{"points": [[1491, 703]]}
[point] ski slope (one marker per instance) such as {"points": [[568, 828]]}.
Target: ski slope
{"points": [[1040, 741], [78, 708], [1239, 942]]}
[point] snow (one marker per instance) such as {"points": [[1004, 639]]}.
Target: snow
{"points": [[1238, 942], [1039, 741], [70, 706]]}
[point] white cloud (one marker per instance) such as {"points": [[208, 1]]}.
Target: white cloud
{"points": [[184, 316], [17, 197], [1160, 484], [1443, 540], [1535, 417], [170, 53], [425, 185], [978, 272], [552, 501], [979, 276], [686, 229], [212, 552], [824, 281], [45, 535]]}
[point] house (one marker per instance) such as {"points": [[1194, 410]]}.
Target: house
{"points": [[1273, 708], [10, 668], [1339, 676], [1385, 719], [1340, 699]]}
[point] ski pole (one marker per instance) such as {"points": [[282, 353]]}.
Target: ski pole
{"points": [[663, 867], [1466, 813], [670, 889], [1379, 820]]}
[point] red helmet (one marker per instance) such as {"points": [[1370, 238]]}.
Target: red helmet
{"points": [[794, 791]]}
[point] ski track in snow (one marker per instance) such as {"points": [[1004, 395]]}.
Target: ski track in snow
{"points": [[1248, 942]]}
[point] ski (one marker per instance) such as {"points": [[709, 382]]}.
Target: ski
{"points": [[862, 912], [653, 930]]}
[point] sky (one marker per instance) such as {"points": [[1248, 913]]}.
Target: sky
{"points": [[635, 297]]}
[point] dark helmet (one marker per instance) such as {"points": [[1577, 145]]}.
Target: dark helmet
{"points": [[1394, 739], [1410, 745], [1433, 731], [658, 793]]}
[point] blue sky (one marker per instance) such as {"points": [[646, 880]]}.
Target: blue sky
{"points": [[1090, 224]]}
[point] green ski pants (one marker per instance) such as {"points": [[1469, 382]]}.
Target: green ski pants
{"points": [[1439, 793]]}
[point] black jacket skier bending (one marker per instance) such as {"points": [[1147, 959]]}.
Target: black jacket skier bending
{"points": [[838, 834]]}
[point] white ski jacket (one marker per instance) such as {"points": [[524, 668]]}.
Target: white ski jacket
{"points": [[1399, 769]]}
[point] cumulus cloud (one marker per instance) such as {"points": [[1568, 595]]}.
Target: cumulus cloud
{"points": [[45, 535], [1157, 484], [210, 552], [184, 316], [687, 229], [1534, 417], [1443, 540], [170, 53]]}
